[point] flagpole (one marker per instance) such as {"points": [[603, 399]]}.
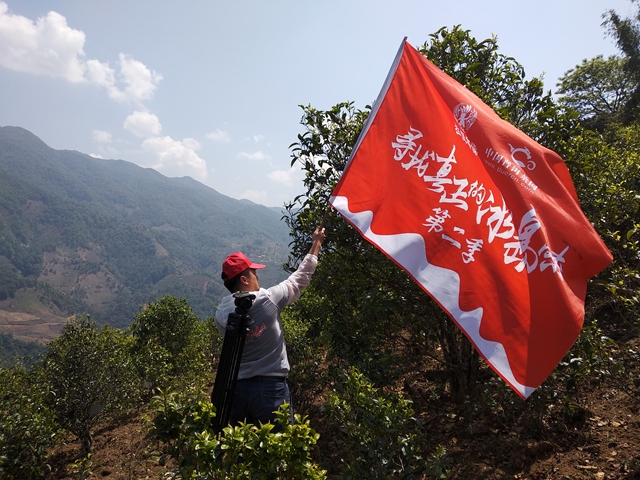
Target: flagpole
{"points": [[324, 218]]}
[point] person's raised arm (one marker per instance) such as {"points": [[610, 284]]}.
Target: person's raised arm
{"points": [[288, 291], [318, 238]]}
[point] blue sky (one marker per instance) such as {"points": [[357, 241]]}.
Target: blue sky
{"points": [[211, 89]]}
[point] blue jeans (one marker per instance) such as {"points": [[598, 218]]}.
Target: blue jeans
{"points": [[257, 398]]}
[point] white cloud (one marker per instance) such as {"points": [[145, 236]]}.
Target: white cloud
{"points": [[141, 83], [219, 136], [105, 150], [176, 158], [47, 47], [254, 156], [50, 47], [101, 136], [143, 124], [192, 143], [257, 196], [101, 74], [285, 177], [133, 84], [258, 138]]}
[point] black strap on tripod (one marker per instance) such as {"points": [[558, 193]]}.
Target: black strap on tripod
{"points": [[230, 357]]}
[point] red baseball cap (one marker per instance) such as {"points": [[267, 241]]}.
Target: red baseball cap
{"points": [[236, 263]]}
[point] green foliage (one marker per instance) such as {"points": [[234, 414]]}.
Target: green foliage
{"points": [[17, 244], [322, 151], [492, 76], [201, 302], [170, 341], [154, 365], [305, 352], [27, 425], [91, 375], [381, 436], [177, 417], [598, 89], [14, 351], [243, 452], [51, 296], [130, 252], [626, 34], [438, 463], [593, 355], [605, 168], [120, 310], [499, 81], [622, 278], [81, 468], [10, 281]]}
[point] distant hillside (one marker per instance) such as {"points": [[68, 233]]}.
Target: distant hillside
{"points": [[85, 235]]}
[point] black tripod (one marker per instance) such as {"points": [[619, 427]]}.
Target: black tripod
{"points": [[229, 365]]}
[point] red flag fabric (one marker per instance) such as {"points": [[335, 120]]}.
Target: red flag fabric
{"points": [[483, 218]]}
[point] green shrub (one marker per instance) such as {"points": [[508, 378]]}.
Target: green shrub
{"points": [[594, 355], [605, 168], [170, 343], [381, 437], [243, 452], [153, 364], [306, 354], [91, 375], [27, 425], [17, 352]]}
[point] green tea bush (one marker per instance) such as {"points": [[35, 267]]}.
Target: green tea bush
{"points": [[381, 437], [91, 376], [27, 425], [594, 355], [170, 343], [605, 168], [306, 354], [243, 452]]}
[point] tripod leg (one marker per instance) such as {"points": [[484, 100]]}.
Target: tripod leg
{"points": [[228, 368]]}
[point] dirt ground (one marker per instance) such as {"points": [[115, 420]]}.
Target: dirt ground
{"points": [[599, 440], [121, 451]]}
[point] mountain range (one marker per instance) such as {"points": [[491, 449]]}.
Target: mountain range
{"points": [[82, 235]]}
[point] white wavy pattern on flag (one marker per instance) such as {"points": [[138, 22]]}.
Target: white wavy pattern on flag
{"points": [[408, 250]]}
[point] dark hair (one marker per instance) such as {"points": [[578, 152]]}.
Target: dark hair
{"points": [[232, 284]]}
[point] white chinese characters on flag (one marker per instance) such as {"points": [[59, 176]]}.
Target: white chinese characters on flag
{"points": [[482, 217]]}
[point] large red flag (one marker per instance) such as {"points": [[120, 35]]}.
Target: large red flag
{"points": [[482, 217]]}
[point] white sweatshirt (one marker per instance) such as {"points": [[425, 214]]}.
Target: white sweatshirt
{"points": [[265, 352]]}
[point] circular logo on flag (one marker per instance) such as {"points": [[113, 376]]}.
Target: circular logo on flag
{"points": [[466, 115]]}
